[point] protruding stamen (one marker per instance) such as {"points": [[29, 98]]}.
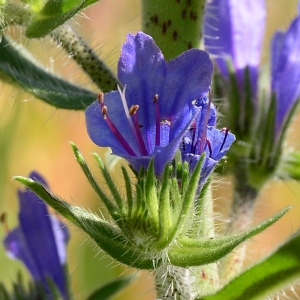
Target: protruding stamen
{"points": [[104, 112], [133, 109], [224, 129], [131, 123], [100, 98], [209, 147], [157, 120], [133, 112], [194, 143], [116, 132], [203, 137]]}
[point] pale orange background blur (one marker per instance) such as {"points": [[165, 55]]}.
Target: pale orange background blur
{"points": [[34, 135]]}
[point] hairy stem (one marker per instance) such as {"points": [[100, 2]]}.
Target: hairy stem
{"points": [[206, 276], [96, 69], [173, 283], [241, 216]]}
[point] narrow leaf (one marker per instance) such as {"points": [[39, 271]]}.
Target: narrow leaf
{"points": [[270, 275], [18, 67]]}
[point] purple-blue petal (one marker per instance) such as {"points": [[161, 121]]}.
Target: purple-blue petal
{"points": [[16, 248], [99, 131], [285, 70], [188, 78], [233, 30], [35, 243], [220, 142]]}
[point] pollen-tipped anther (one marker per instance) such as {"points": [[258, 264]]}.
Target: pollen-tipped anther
{"points": [[100, 98]]}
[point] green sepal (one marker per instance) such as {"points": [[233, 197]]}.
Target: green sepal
{"points": [[194, 252], [110, 206], [19, 68], [106, 291], [265, 154], [110, 184], [54, 14], [107, 236], [267, 277]]}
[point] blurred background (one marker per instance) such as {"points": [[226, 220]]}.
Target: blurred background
{"points": [[34, 136]]}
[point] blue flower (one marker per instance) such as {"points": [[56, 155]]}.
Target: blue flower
{"points": [[285, 71], [148, 117], [204, 137], [233, 31], [39, 241]]}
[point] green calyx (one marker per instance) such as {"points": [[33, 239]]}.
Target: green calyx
{"points": [[157, 220]]}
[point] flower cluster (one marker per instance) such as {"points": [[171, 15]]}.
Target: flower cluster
{"points": [[233, 32], [160, 108], [39, 242]]}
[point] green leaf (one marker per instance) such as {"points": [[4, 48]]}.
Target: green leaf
{"points": [[106, 235], [195, 252], [270, 275], [54, 14], [18, 67], [108, 290]]}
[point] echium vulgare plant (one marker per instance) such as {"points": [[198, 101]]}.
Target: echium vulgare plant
{"points": [[160, 116]]}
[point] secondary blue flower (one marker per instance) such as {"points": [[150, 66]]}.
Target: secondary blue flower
{"points": [[147, 119], [233, 33], [39, 241], [202, 137], [285, 71]]}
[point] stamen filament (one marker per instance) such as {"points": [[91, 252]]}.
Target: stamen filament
{"points": [[193, 144], [209, 147], [157, 120], [116, 132], [133, 111], [226, 134], [203, 137]]}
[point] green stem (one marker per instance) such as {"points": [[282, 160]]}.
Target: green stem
{"points": [[173, 283], [85, 57], [206, 276], [72, 43], [241, 216], [175, 25]]}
